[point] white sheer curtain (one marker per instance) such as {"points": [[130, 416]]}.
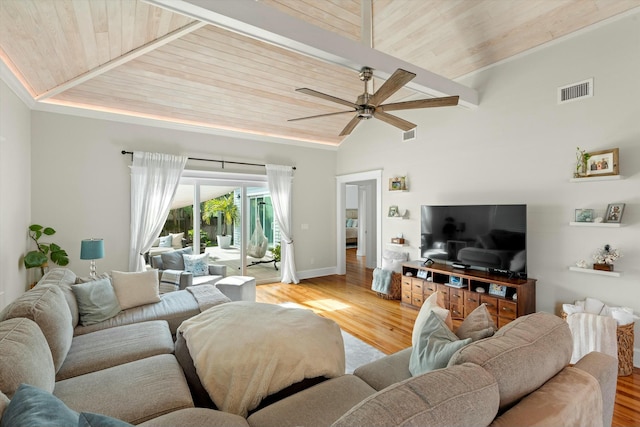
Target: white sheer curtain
{"points": [[280, 179], [154, 181]]}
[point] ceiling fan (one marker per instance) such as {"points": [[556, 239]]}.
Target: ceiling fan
{"points": [[370, 105]]}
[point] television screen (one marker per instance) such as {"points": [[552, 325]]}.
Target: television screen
{"points": [[485, 237]]}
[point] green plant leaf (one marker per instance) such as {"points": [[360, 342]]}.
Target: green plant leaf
{"points": [[34, 259], [49, 231], [60, 257], [35, 227]]}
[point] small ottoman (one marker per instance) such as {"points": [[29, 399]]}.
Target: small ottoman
{"points": [[238, 288]]}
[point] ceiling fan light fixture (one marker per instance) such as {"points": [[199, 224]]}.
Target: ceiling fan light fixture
{"points": [[366, 113]]}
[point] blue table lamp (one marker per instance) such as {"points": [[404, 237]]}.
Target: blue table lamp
{"points": [[92, 249]]}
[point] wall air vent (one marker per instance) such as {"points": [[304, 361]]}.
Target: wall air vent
{"points": [[409, 135], [575, 91]]}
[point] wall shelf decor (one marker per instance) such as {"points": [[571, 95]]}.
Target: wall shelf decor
{"points": [[598, 272], [597, 178], [596, 224], [398, 245]]}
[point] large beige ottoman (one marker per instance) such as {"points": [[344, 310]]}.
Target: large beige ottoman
{"points": [[238, 288]]}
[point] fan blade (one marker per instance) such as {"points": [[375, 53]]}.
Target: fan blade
{"points": [[317, 94], [446, 101], [321, 115], [391, 86], [393, 120], [350, 126]]}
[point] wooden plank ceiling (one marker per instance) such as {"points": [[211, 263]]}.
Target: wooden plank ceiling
{"points": [[132, 58]]}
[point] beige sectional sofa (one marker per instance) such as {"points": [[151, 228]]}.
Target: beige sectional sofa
{"points": [[129, 372]]}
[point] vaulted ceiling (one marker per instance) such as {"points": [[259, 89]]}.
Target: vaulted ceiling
{"points": [[234, 65]]}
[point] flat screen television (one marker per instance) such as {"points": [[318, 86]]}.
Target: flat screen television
{"points": [[482, 237]]}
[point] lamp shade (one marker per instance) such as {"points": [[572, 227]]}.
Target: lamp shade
{"points": [[92, 249]]}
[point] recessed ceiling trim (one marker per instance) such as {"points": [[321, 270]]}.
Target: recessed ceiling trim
{"points": [[262, 22]]}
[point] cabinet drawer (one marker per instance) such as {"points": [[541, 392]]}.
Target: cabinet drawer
{"points": [[406, 280], [444, 292], [416, 300], [406, 297], [456, 296], [416, 285], [406, 287], [507, 309], [491, 303], [471, 302], [457, 311], [503, 321], [429, 288]]}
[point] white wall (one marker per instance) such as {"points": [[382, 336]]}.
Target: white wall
{"points": [[519, 147], [81, 183], [352, 197], [15, 184]]}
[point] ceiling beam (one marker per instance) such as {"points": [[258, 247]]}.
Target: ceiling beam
{"points": [[116, 62], [265, 23]]}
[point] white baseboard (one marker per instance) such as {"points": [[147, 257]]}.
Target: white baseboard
{"points": [[309, 274]]}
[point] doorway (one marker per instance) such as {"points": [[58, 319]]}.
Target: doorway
{"points": [[369, 186]]}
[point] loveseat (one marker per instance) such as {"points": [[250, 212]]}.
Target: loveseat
{"points": [[130, 373]]}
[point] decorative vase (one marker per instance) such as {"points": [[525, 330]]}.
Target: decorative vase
{"points": [[603, 267]]}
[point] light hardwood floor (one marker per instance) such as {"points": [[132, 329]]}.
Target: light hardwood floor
{"points": [[387, 325]]}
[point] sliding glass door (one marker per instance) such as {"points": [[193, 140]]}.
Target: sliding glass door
{"points": [[231, 219]]}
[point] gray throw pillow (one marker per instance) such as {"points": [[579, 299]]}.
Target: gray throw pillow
{"points": [[97, 301], [435, 347], [173, 260], [477, 325]]}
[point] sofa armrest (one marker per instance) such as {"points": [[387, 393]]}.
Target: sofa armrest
{"points": [[186, 279], [218, 270], [605, 369], [388, 370]]}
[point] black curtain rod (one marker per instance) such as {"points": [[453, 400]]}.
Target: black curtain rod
{"points": [[213, 160]]}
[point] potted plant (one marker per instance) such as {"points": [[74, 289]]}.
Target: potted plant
{"points": [[224, 205], [45, 251], [582, 159]]}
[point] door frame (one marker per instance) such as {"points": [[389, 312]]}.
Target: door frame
{"points": [[374, 220]]}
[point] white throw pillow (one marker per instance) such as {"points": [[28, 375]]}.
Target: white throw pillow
{"points": [[198, 265], [176, 240], [137, 288], [392, 260], [431, 304]]}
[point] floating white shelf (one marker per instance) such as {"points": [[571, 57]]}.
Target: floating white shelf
{"points": [[399, 245], [599, 272], [597, 178], [596, 224], [399, 217]]}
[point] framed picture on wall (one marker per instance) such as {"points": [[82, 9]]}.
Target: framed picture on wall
{"points": [[398, 183]]}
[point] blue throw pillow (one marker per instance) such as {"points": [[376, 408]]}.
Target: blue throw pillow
{"points": [[198, 265], [97, 301], [165, 242], [31, 406], [87, 419]]}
